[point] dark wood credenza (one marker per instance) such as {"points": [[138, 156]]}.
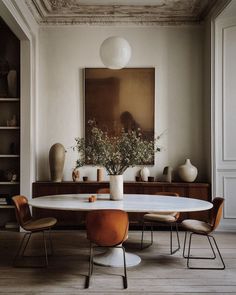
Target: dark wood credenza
{"points": [[75, 219]]}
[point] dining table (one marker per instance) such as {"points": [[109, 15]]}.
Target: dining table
{"points": [[140, 203]]}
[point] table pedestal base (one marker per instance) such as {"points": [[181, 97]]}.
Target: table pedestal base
{"points": [[114, 257]]}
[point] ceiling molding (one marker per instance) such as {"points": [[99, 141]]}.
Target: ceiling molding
{"points": [[163, 12]]}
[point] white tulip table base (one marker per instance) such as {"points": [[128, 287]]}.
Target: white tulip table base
{"points": [[114, 257]]}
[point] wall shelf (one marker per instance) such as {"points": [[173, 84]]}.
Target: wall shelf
{"points": [[9, 182], [9, 128], [5, 99], [10, 121], [9, 156]]}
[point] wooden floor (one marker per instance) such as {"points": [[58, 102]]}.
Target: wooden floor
{"points": [[158, 273]]}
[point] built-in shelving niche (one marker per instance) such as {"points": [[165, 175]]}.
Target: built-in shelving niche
{"points": [[9, 124]]}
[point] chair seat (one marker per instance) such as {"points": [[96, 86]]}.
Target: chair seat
{"points": [[40, 224], [170, 217], [197, 226]]}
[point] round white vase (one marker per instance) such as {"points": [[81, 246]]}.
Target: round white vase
{"points": [[116, 187], [144, 173], [187, 172]]}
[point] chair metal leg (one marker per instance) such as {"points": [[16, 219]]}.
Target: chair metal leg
{"points": [[45, 248], [196, 257], [143, 225], [151, 232], [185, 238], [26, 244], [199, 257], [87, 283], [125, 271], [19, 248], [22, 248], [171, 238], [218, 250], [90, 271], [214, 254], [50, 240], [189, 247]]}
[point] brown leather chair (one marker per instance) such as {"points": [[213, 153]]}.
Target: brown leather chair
{"points": [[197, 227], [107, 228], [31, 225], [152, 219], [104, 190]]}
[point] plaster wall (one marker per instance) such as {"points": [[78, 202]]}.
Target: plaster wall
{"points": [[177, 55]]}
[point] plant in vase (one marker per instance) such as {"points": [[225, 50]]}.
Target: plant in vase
{"points": [[115, 153]]}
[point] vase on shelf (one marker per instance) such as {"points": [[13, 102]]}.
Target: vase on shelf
{"points": [[99, 174], [56, 161], [75, 174], [116, 187], [187, 172], [144, 173], [12, 83]]}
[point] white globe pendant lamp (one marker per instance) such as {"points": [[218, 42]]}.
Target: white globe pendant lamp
{"points": [[115, 52]]}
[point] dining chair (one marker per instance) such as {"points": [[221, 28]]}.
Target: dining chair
{"points": [[104, 190], [106, 228], [152, 219], [201, 228], [31, 225]]}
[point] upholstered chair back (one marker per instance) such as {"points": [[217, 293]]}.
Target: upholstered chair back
{"points": [[23, 214], [107, 227], [216, 212], [104, 190]]}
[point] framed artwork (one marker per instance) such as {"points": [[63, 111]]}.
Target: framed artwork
{"points": [[118, 99]]}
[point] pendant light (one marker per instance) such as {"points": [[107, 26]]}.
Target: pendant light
{"points": [[115, 52]]}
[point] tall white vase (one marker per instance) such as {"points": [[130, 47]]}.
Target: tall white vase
{"points": [[116, 187], [187, 172], [144, 173]]}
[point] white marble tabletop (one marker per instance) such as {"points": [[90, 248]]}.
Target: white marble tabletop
{"points": [[130, 203]]}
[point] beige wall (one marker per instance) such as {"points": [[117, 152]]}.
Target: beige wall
{"points": [[177, 55]]}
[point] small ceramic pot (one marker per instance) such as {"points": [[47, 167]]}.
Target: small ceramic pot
{"points": [[75, 175]]}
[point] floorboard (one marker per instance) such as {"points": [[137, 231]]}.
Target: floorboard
{"points": [[158, 273]]}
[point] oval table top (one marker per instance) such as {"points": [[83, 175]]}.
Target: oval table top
{"points": [[130, 203]]}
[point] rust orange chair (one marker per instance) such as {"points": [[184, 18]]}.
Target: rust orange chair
{"points": [[169, 218], [104, 190], [106, 228], [31, 225], [197, 227]]}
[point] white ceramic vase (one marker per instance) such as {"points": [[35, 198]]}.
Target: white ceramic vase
{"points": [[116, 187], [144, 173], [187, 172]]}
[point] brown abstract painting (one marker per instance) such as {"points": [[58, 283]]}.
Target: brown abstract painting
{"points": [[118, 99]]}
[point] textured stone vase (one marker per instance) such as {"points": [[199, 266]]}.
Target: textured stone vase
{"points": [[116, 187], [75, 175], [56, 161], [144, 173], [187, 172], [99, 174]]}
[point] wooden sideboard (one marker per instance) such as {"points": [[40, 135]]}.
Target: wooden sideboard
{"points": [[73, 219]]}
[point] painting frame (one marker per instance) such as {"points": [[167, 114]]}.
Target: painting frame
{"points": [[120, 100]]}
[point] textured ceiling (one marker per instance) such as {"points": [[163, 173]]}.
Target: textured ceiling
{"points": [[149, 12]]}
